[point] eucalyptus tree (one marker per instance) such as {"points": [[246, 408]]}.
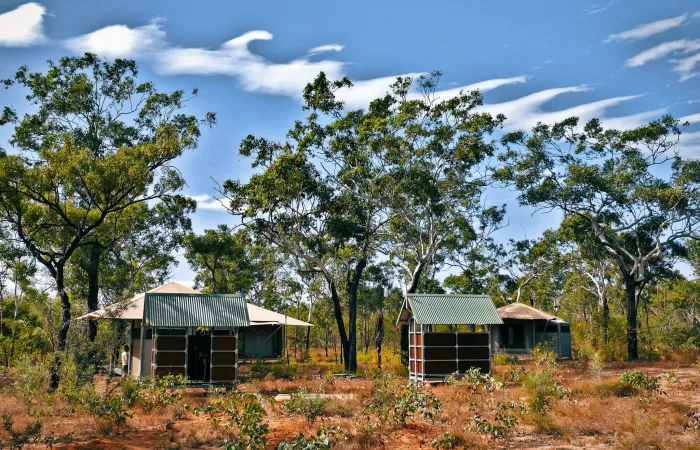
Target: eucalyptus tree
{"points": [[630, 189], [323, 195], [93, 145], [442, 153]]}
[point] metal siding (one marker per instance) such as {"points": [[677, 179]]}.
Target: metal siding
{"points": [[195, 310], [431, 309]]}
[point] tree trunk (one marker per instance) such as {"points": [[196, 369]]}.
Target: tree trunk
{"points": [[351, 357], [91, 266], [63, 330], [338, 313], [606, 319], [379, 339], [631, 301]]}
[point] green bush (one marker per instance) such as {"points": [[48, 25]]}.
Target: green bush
{"points": [[446, 441], [244, 420], [157, 392], [503, 423], [615, 388], [18, 439], [308, 405], [30, 379], [325, 438], [542, 388], [393, 403], [639, 379]]}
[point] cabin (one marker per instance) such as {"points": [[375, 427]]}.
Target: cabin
{"points": [[177, 330], [524, 327], [443, 337]]}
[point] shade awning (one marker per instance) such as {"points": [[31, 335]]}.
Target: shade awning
{"points": [[522, 311], [260, 316]]}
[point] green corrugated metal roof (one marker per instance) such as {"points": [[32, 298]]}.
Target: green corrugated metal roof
{"points": [[433, 309], [195, 310]]}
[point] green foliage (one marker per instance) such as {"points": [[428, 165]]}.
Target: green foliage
{"points": [[30, 379], [394, 403], [446, 441], [475, 380], [325, 439], [542, 389], [639, 379], [308, 405], [18, 439], [241, 416], [615, 388], [157, 392], [503, 422]]}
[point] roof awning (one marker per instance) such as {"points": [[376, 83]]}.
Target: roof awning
{"points": [[447, 309], [135, 309], [522, 311]]}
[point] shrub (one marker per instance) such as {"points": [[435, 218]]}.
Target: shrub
{"points": [[615, 388], [394, 403], [157, 392], [503, 422], [18, 439], [639, 379], [542, 389], [542, 356], [475, 380], [595, 365], [325, 438], [30, 379], [244, 424], [446, 441], [309, 406]]}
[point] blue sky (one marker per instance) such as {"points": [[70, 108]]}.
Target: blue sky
{"points": [[626, 61]]}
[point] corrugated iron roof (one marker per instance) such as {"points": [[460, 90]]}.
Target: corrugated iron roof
{"points": [[434, 309], [195, 310]]}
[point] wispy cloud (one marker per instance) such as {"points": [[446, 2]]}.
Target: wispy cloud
{"points": [[692, 118], [253, 72], [598, 8], [326, 48], [23, 26], [684, 67], [207, 202], [120, 41], [648, 29]]}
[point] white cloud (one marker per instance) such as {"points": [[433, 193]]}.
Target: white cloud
{"points": [[326, 48], [525, 112], [634, 120], [689, 145], [600, 7], [120, 41], [648, 29], [693, 118], [254, 73], [663, 50], [23, 26], [364, 91], [208, 202], [685, 67]]}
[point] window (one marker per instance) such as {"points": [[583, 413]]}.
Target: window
{"points": [[511, 335], [149, 333], [547, 328], [221, 332], [171, 332], [565, 328]]}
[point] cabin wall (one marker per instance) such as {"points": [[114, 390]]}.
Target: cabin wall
{"points": [[435, 355], [519, 336], [261, 342]]}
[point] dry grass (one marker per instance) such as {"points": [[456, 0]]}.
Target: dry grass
{"points": [[593, 414]]}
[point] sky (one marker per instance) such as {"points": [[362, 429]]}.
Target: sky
{"points": [[624, 61]]}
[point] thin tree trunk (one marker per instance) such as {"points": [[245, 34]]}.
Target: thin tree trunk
{"points": [[606, 319], [91, 266], [351, 357], [379, 339], [338, 313], [63, 330], [631, 301]]}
